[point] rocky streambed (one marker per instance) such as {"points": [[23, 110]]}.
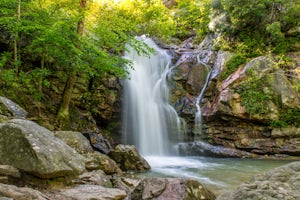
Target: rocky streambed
{"points": [[36, 163]]}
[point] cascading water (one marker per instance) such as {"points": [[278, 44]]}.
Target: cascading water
{"points": [[198, 116], [147, 116]]}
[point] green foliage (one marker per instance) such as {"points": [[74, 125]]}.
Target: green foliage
{"points": [[48, 41], [287, 117], [192, 18], [232, 65], [253, 97], [262, 24]]}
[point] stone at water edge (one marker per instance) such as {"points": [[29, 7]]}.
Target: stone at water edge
{"points": [[282, 183], [129, 158], [199, 148], [97, 161], [171, 189], [35, 150]]}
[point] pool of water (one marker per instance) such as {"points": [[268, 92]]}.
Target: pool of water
{"points": [[218, 174]]}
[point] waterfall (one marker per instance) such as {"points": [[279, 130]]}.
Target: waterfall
{"points": [[198, 116], [147, 115]]}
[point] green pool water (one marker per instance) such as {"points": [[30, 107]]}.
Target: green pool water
{"points": [[218, 174]]}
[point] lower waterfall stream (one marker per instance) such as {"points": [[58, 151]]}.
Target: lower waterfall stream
{"points": [[149, 120]]}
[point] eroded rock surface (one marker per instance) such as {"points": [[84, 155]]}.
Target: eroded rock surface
{"points": [[169, 189], [20, 193], [95, 192], [280, 183]]}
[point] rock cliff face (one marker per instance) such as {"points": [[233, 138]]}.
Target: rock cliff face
{"points": [[248, 109]]}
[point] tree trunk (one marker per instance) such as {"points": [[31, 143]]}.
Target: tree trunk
{"points": [[63, 113], [16, 55]]}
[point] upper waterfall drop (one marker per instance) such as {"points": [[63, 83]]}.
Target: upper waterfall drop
{"points": [[147, 115], [198, 116]]}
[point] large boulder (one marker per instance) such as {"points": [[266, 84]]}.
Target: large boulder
{"points": [[75, 140], [280, 183], [20, 193], [35, 150], [129, 158], [171, 188]]}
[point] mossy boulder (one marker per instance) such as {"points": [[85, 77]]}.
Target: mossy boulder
{"points": [[35, 150], [128, 158], [76, 140]]}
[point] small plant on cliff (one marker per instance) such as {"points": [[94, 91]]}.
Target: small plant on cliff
{"points": [[287, 117], [255, 100], [232, 65]]}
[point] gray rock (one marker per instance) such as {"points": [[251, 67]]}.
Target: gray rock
{"points": [[171, 188], [75, 140], [10, 108], [35, 150], [123, 183], [204, 149], [99, 142], [281, 183], [8, 170], [96, 177], [94, 192], [129, 158], [20, 193]]}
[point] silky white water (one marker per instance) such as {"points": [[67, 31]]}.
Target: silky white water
{"points": [[147, 115]]}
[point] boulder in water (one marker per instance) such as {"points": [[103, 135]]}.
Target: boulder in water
{"points": [[129, 158], [204, 149], [35, 150], [171, 188], [280, 183]]}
